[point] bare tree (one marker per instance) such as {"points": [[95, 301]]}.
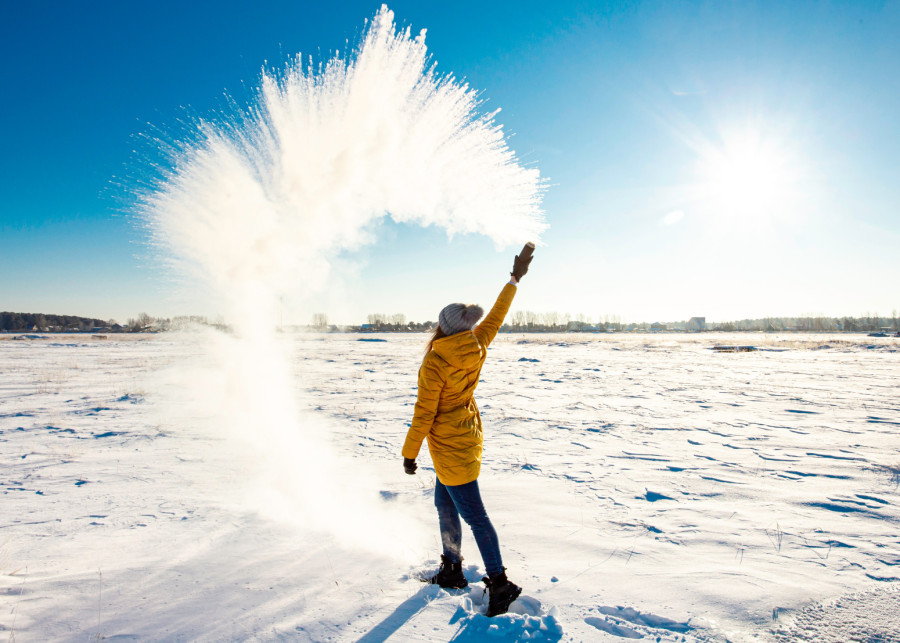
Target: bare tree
{"points": [[518, 319], [143, 322]]}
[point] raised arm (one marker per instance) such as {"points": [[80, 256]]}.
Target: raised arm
{"points": [[430, 386], [487, 330]]}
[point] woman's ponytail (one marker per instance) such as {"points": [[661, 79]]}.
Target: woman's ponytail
{"points": [[436, 335]]}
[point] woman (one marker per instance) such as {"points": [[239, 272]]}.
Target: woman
{"points": [[446, 414]]}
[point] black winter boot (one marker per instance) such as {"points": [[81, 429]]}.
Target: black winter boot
{"points": [[450, 576], [501, 592]]}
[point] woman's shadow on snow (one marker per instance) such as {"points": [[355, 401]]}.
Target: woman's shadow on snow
{"points": [[402, 614]]}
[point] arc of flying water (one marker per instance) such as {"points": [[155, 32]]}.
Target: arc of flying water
{"points": [[256, 206]]}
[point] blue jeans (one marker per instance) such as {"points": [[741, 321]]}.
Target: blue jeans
{"points": [[465, 500]]}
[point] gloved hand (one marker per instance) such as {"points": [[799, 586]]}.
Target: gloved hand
{"points": [[522, 261], [410, 466]]}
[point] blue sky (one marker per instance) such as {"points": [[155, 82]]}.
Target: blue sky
{"points": [[726, 159]]}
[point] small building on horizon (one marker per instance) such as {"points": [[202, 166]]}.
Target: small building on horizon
{"points": [[696, 324]]}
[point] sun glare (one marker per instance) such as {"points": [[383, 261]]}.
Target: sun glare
{"points": [[748, 176]]}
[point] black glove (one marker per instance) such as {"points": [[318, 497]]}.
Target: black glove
{"points": [[522, 261], [410, 466]]}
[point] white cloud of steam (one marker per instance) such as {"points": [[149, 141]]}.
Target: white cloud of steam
{"points": [[235, 396], [255, 205], [256, 208]]}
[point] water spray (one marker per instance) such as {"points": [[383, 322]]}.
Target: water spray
{"points": [[254, 209]]}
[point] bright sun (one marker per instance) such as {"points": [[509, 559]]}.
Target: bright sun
{"points": [[748, 176]]}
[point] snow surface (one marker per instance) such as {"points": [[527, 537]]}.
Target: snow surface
{"points": [[643, 486]]}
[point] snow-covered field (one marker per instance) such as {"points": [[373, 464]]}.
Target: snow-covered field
{"points": [[643, 486]]}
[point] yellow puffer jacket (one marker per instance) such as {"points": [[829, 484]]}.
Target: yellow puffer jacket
{"points": [[446, 412]]}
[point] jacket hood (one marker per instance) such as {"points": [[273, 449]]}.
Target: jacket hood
{"points": [[461, 350]]}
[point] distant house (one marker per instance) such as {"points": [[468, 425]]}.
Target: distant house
{"points": [[696, 324], [656, 327], [580, 327]]}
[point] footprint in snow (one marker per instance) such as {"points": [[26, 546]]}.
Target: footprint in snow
{"points": [[611, 627], [618, 621]]}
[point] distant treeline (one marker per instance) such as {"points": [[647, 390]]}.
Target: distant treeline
{"points": [[868, 323], [531, 322], [18, 322], [143, 323], [517, 322]]}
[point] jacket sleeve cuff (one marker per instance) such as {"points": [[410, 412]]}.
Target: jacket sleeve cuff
{"points": [[411, 449]]}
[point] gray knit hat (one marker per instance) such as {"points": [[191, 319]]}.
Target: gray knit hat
{"points": [[456, 318]]}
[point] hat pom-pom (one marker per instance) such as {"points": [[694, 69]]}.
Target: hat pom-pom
{"points": [[473, 314]]}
